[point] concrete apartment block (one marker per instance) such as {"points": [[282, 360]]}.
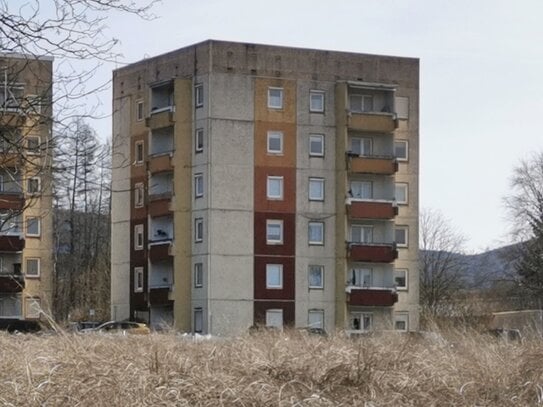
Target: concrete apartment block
{"points": [[266, 185]]}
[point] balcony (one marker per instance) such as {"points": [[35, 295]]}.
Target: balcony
{"points": [[371, 296], [160, 206], [379, 165], [11, 283], [372, 252], [11, 201], [11, 243], [375, 122], [160, 295], [159, 118], [161, 163], [160, 250], [371, 209]]}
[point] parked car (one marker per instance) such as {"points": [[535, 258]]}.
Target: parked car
{"points": [[120, 327]]}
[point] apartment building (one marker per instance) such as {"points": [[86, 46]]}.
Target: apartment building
{"points": [[266, 185], [26, 238]]}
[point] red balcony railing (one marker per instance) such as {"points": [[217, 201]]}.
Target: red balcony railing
{"points": [[371, 297], [372, 252], [371, 209]]}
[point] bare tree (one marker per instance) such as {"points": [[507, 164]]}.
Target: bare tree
{"points": [[441, 262], [525, 207]]}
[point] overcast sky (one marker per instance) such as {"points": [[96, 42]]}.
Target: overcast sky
{"points": [[481, 88]]}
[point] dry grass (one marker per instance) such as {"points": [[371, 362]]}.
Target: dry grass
{"points": [[268, 370]]}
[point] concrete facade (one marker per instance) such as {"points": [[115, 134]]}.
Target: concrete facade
{"points": [[258, 188]]}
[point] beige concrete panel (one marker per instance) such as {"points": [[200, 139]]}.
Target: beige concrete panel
{"points": [[231, 187], [304, 116], [232, 96], [230, 318], [231, 278], [232, 232], [303, 204], [231, 142], [304, 160]]}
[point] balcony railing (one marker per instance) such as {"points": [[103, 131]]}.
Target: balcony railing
{"points": [[376, 122], [11, 283], [373, 164], [161, 162], [358, 208], [11, 200], [160, 295], [371, 296], [160, 250], [161, 117], [160, 206], [372, 252], [11, 243]]}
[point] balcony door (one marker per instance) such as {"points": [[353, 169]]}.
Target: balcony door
{"points": [[361, 234]]}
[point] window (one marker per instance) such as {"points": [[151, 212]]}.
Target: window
{"points": [[402, 107], [198, 230], [401, 193], [363, 146], [316, 233], [275, 142], [32, 267], [316, 276], [401, 321], [199, 95], [401, 236], [198, 185], [316, 101], [361, 277], [400, 279], [33, 226], [138, 237], [139, 110], [139, 152], [315, 318], [316, 145], [199, 140], [361, 103], [274, 231], [275, 98], [316, 189], [274, 318], [1, 183], [198, 320], [33, 185], [33, 144], [362, 189], [32, 307], [401, 148], [274, 276], [361, 321], [138, 195], [361, 234], [198, 275], [275, 187], [138, 279]]}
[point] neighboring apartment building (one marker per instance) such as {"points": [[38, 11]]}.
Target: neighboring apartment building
{"points": [[258, 184], [26, 238]]}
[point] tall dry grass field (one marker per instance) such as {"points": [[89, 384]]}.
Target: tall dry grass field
{"points": [[286, 369]]}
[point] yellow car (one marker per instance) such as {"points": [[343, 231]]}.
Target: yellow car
{"points": [[121, 327]]}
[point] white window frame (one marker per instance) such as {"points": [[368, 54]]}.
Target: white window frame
{"points": [[29, 182], [198, 318], [139, 110], [320, 138], [199, 140], [281, 98], [399, 273], [320, 269], [199, 95], [139, 195], [405, 229], [38, 267], [38, 220], [319, 312], [362, 141], [139, 147], [138, 236], [29, 149], [362, 187], [405, 187], [312, 108], [358, 275], [32, 304], [274, 268], [198, 230], [138, 274], [271, 179], [363, 100], [361, 316], [198, 185], [406, 144], [315, 180], [274, 222], [274, 134], [362, 234], [399, 101], [198, 275], [401, 317], [315, 224], [275, 312]]}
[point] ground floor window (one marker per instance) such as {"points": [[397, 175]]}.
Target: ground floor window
{"points": [[274, 318], [198, 320], [401, 321], [361, 321], [315, 318]]}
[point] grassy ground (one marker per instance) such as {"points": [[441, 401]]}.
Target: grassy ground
{"points": [[287, 369]]}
